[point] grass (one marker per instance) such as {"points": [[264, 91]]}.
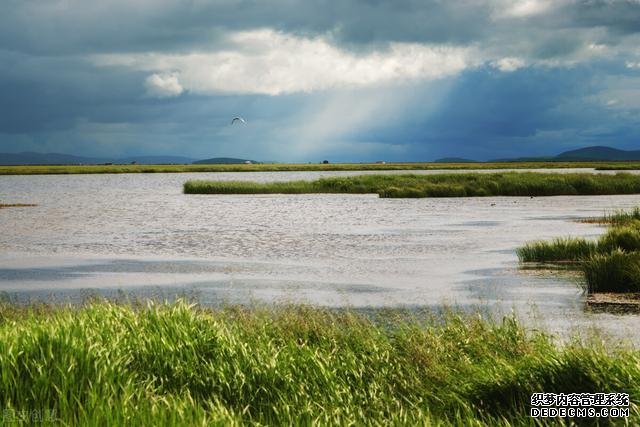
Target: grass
{"points": [[623, 217], [97, 169], [564, 249], [175, 364], [617, 272], [619, 166], [610, 264], [440, 185], [574, 249]]}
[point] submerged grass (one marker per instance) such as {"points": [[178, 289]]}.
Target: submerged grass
{"points": [[176, 364], [617, 218], [90, 169], [440, 185], [623, 217]]}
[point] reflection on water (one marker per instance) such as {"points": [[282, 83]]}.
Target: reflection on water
{"points": [[140, 234]]}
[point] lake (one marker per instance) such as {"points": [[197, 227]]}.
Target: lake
{"points": [[138, 235]]}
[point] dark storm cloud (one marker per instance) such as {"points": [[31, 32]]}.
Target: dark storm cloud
{"points": [[530, 112], [516, 104], [50, 93], [75, 26], [56, 27], [619, 16], [54, 97]]}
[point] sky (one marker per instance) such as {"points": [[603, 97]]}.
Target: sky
{"points": [[348, 80]]}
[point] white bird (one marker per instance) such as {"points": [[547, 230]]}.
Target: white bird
{"points": [[238, 119]]}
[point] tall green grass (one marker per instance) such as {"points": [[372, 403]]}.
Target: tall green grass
{"points": [[575, 249], [617, 271], [440, 185], [610, 264], [623, 237], [564, 249], [107, 364]]}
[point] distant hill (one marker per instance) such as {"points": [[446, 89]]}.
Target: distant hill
{"points": [[222, 161], [454, 160], [31, 158], [599, 153], [596, 153], [156, 160], [526, 159]]}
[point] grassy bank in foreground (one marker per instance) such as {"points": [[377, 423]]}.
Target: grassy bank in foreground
{"points": [[440, 185], [609, 264], [98, 169], [107, 364]]}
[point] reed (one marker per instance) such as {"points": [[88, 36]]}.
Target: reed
{"points": [[623, 217], [617, 271], [625, 238], [567, 249], [610, 264], [179, 364], [439, 185]]}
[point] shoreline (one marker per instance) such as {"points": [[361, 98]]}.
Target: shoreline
{"points": [[278, 167]]}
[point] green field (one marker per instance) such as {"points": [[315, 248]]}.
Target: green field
{"points": [[89, 169], [440, 185], [176, 364]]}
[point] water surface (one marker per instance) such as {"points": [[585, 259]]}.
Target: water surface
{"points": [[138, 234]]}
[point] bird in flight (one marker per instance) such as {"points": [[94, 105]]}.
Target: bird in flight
{"points": [[239, 120]]}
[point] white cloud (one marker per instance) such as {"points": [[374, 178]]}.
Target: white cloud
{"points": [[524, 8], [269, 62], [163, 85], [508, 64]]}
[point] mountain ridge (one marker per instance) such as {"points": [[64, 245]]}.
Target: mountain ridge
{"points": [[223, 161], [600, 152], [592, 153], [33, 158]]}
